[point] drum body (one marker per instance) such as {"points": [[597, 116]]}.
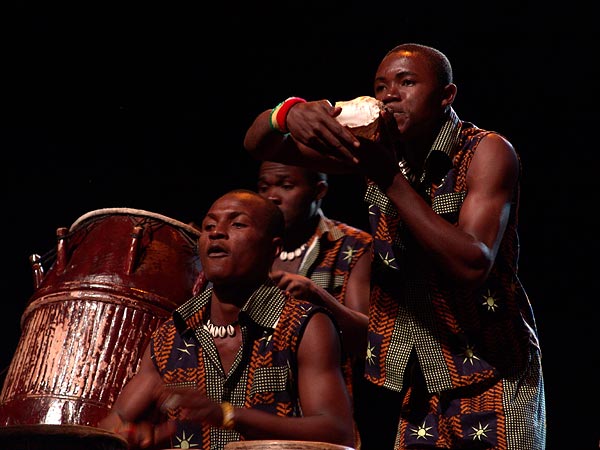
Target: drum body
{"points": [[116, 275]]}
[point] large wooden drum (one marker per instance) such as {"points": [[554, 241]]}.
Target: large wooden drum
{"points": [[116, 274]]}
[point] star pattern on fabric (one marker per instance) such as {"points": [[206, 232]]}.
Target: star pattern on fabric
{"points": [[348, 253], [266, 338], [185, 350], [387, 260], [490, 301], [370, 354], [422, 432], [469, 354], [480, 431], [302, 316], [185, 441]]}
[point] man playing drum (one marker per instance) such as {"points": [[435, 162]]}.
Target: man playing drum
{"points": [[242, 360]]}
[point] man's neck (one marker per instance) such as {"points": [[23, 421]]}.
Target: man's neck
{"points": [[301, 233], [232, 296]]}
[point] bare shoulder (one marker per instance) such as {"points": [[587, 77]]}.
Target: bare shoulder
{"points": [[495, 162], [495, 149], [495, 145], [319, 330]]}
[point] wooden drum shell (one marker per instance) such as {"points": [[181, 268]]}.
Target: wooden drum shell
{"points": [[118, 273]]}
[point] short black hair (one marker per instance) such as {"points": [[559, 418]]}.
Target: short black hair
{"points": [[439, 61]]}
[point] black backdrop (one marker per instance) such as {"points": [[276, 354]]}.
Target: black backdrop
{"points": [[145, 106]]}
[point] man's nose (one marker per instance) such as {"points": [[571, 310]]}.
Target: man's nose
{"points": [[274, 198], [217, 233], [391, 93]]}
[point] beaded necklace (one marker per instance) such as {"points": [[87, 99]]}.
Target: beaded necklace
{"points": [[290, 256], [220, 331]]}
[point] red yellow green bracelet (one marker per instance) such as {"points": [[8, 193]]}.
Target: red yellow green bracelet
{"points": [[277, 119]]}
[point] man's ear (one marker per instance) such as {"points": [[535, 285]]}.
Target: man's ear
{"points": [[322, 188], [449, 95]]}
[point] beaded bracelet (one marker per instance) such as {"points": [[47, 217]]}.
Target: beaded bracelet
{"points": [[277, 119], [228, 416]]}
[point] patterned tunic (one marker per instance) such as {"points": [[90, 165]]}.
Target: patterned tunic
{"points": [[328, 262], [480, 344], [263, 375], [332, 256]]}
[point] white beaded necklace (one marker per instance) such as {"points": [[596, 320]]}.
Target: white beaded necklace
{"points": [[290, 256], [220, 331]]}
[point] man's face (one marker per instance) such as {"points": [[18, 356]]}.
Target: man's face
{"points": [[290, 189], [406, 83], [234, 245]]}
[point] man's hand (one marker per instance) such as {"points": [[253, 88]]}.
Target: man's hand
{"points": [[194, 406], [143, 434], [313, 125], [377, 161], [299, 286]]}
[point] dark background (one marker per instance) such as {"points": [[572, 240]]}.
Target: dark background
{"points": [[145, 106]]}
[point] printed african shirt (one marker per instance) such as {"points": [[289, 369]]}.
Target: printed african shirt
{"points": [[264, 373], [461, 339], [332, 256]]}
